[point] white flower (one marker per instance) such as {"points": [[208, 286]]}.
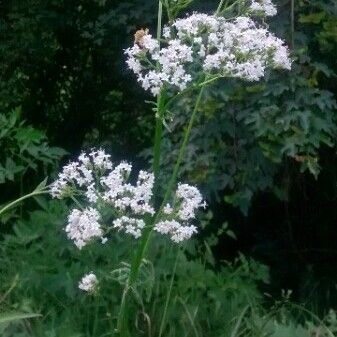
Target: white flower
{"points": [[89, 282], [83, 226], [124, 196], [70, 171], [167, 209], [170, 60], [91, 193], [80, 173], [134, 65], [101, 160], [195, 24], [176, 230], [130, 225], [96, 181], [166, 32], [208, 43], [175, 220], [117, 177], [281, 58], [167, 226], [142, 194], [265, 7], [191, 200], [251, 71], [150, 43], [58, 188], [183, 233]]}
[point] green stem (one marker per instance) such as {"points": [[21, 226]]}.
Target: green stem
{"points": [[189, 89], [122, 328], [208, 81], [182, 148], [145, 239], [219, 7], [29, 195], [77, 202], [168, 297], [158, 134], [237, 2], [160, 105], [159, 23], [96, 315]]}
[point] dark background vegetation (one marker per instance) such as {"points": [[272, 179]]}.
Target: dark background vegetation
{"points": [[264, 154]]}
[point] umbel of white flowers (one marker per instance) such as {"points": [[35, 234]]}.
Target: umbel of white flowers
{"points": [[209, 44], [88, 282], [104, 188]]}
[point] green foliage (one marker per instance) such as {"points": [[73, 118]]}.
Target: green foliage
{"points": [[40, 271], [62, 62], [174, 7], [249, 134], [24, 148]]}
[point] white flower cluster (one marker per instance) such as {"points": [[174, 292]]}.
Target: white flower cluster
{"points": [[123, 196], [101, 185], [88, 283], [130, 225], [83, 226], [265, 7], [171, 60], [202, 43], [80, 173], [177, 217]]}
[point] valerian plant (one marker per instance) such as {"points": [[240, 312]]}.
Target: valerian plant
{"points": [[188, 54]]}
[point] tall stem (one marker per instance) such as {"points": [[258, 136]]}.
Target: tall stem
{"points": [[160, 105], [122, 320], [146, 235], [181, 154], [158, 134], [168, 297], [122, 328], [159, 19], [148, 230], [13, 203]]}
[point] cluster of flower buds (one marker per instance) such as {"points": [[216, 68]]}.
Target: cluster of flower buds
{"points": [[207, 44], [105, 188]]}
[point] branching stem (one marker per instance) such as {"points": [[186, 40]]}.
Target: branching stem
{"points": [[17, 201]]}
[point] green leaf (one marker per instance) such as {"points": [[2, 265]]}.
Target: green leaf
{"points": [[42, 185], [312, 18], [16, 316]]}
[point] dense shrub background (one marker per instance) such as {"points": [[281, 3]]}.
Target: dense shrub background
{"points": [[265, 156]]}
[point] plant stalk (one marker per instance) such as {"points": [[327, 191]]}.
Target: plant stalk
{"points": [[158, 134], [181, 154], [168, 297], [219, 7], [160, 105], [122, 328], [145, 239], [29, 195]]}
